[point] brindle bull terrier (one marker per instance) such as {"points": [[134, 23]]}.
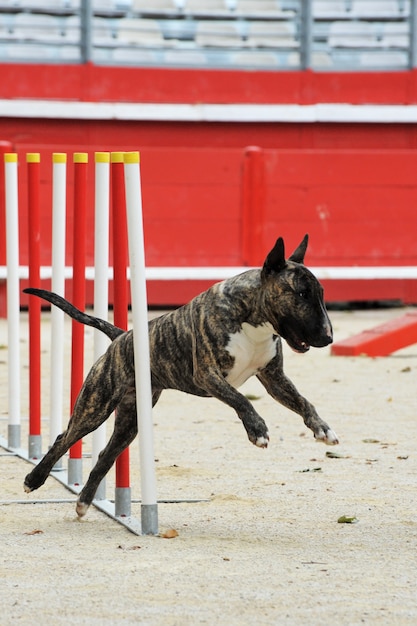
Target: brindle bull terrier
{"points": [[209, 347]]}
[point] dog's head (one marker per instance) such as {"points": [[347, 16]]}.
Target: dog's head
{"points": [[293, 299]]}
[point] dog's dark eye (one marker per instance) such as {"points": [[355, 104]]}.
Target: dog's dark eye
{"points": [[303, 293]]}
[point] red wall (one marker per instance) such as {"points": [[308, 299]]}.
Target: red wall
{"points": [[357, 205], [351, 186], [123, 84]]}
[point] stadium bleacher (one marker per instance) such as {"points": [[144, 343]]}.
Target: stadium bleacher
{"points": [[339, 34]]}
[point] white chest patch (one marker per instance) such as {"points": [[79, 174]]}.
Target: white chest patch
{"points": [[252, 348]]}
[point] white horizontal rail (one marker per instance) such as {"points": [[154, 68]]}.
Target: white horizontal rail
{"points": [[200, 112], [402, 272]]}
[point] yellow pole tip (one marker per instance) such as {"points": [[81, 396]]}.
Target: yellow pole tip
{"points": [[80, 157], [131, 157], [33, 157], [102, 157], [59, 157], [10, 157], [117, 157]]}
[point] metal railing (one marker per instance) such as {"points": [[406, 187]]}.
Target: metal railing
{"points": [[264, 34]]}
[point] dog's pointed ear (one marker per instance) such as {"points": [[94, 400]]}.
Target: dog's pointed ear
{"points": [[275, 261], [299, 253]]}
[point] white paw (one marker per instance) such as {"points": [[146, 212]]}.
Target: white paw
{"points": [[330, 438], [262, 442], [81, 509], [27, 489]]}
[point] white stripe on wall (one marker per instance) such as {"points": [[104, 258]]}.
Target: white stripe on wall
{"points": [[366, 113], [404, 272]]}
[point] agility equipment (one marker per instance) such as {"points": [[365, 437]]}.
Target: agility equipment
{"points": [[101, 299], [381, 340], [120, 243], [149, 514], [13, 299], [78, 299], [59, 187], [123, 166], [34, 236]]}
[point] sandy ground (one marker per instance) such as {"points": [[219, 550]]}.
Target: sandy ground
{"points": [[263, 545]]}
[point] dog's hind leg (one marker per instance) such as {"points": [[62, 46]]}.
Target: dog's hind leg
{"points": [[125, 430], [76, 430], [99, 396], [40, 472]]}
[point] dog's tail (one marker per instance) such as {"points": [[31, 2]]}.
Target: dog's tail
{"points": [[108, 329]]}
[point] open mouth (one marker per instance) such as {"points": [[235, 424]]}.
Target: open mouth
{"points": [[297, 345]]}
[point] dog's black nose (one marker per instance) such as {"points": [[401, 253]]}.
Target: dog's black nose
{"points": [[326, 338], [328, 332], [329, 339], [322, 340]]}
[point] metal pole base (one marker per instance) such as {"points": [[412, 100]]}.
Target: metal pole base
{"points": [[75, 471], [122, 501], [13, 433], [35, 447], [149, 519]]}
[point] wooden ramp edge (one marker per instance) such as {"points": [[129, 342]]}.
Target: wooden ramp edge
{"points": [[381, 340]]}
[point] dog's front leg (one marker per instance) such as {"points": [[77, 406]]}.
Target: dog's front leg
{"points": [[217, 386], [284, 391]]}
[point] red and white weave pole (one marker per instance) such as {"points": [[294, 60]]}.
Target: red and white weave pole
{"points": [[149, 508], [120, 308], [13, 297], [34, 230], [59, 205], [125, 183], [80, 160], [101, 289]]}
